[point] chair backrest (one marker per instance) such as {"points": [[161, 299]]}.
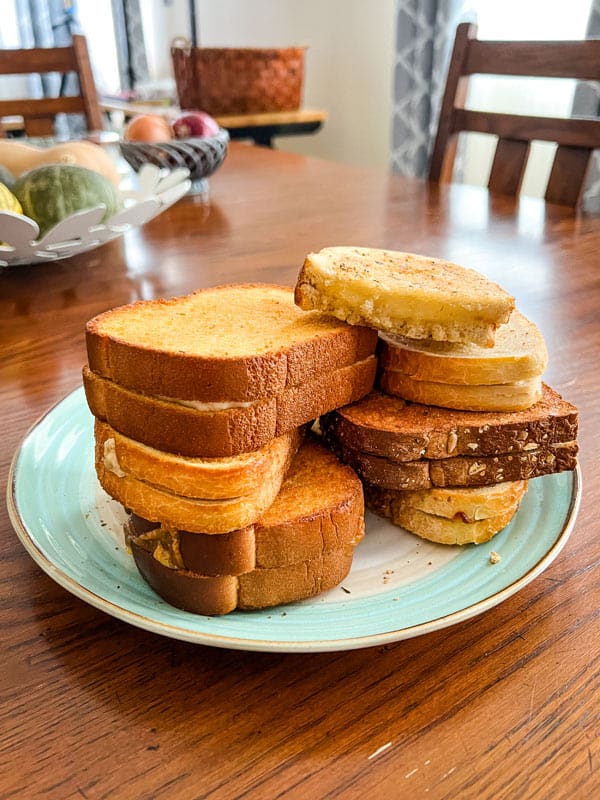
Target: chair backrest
{"points": [[39, 114], [576, 137]]}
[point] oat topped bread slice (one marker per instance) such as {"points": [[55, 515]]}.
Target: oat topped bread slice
{"points": [[227, 344], [395, 429], [403, 294]]}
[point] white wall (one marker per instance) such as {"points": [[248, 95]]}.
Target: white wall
{"points": [[348, 69]]}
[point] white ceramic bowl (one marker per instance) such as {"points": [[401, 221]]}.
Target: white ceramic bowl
{"points": [[84, 230]]}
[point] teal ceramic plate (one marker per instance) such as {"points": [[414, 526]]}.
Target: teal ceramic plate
{"points": [[399, 586]]}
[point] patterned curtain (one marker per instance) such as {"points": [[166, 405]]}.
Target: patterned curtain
{"points": [[587, 103], [424, 36], [131, 49]]}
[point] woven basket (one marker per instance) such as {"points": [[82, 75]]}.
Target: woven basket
{"points": [[201, 157], [232, 80]]}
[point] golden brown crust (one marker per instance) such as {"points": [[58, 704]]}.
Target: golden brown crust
{"points": [[186, 590], [395, 429], [185, 431], [315, 344], [209, 478], [469, 504], [176, 511], [319, 508]]}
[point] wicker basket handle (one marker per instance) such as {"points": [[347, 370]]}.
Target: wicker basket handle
{"points": [[181, 43]]}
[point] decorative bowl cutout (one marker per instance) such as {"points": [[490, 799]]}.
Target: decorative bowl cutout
{"points": [[83, 230]]}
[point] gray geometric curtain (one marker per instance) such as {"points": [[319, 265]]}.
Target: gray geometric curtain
{"points": [[424, 36], [131, 49], [587, 103]]}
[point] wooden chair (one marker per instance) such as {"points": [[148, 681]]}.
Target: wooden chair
{"points": [[39, 114], [576, 137]]}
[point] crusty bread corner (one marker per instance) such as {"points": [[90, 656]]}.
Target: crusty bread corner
{"points": [[517, 396], [443, 530], [395, 429], [237, 343], [519, 353], [185, 431], [403, 294]]}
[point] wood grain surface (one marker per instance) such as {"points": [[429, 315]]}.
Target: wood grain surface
{"points": [[502, 706]]}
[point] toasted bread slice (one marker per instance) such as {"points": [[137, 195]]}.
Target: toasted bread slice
{"points": [[519, 354], [390, 427], [200, 514], [460, 470], [303, 522], [178, 491], [231, 554], [229, 344], [303, 544], [467, 504], [403, 294], [517, 396], [440, 529], [261, 588], [208, 478], [183, 430]]}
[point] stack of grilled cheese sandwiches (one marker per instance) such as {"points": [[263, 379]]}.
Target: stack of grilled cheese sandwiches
{"points": [[462, 420], [201, 404], [204, 405]]}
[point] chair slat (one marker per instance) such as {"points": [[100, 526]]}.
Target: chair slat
{"points": [[567, 177], [508, 166], [42, 107], [37, 59], [39, 126], [574, 132], [580, 59], [64, 60]]}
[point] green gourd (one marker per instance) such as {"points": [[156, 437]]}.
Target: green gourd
{"points": [[49, 194]]}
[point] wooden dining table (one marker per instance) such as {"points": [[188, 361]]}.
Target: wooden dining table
{"points": [[502, 705]]}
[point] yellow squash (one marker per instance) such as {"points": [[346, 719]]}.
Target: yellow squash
{"points": [[8, 202]]}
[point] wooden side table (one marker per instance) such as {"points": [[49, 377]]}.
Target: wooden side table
{"points": [[261, 128]]}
